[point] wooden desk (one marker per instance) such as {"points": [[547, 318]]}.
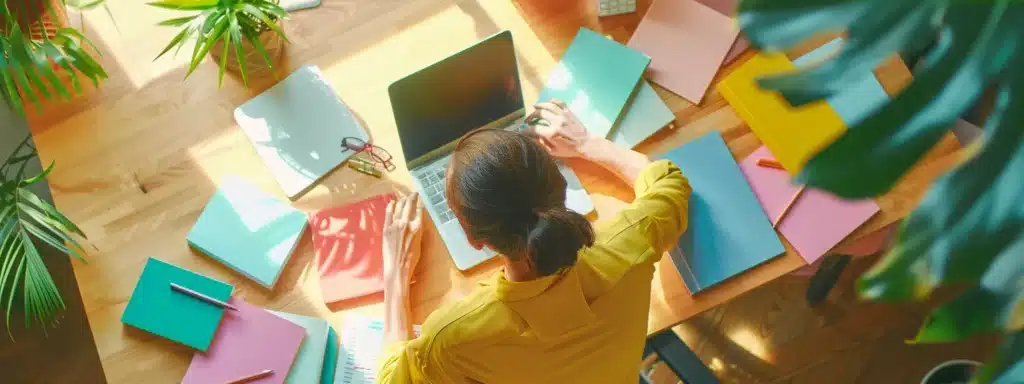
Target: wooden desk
{"points": [[138, 159]]}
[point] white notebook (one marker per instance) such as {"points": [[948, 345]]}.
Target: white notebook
{"points": [[297, 127], [362, 340]]}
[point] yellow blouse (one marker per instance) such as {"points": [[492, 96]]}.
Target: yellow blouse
{"points": [[586, 324]]}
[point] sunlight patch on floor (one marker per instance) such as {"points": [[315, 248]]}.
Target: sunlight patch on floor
{"points": [[749, 341]]}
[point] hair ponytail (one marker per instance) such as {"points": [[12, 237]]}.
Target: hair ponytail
{"points": [[555, 240], [508, 193]]}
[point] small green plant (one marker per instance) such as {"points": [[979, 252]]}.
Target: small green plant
{"points": [[30, 66], [968, 231], [231, 22], [25, 219]]}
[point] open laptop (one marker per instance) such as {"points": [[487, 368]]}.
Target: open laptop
{"points": [[476, 87]]}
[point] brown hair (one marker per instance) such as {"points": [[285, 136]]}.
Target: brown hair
{"points": [[507, 191]]}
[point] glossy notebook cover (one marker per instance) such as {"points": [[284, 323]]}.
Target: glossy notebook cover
{"points": [[596, 77], [157, 309], [855, 102], [687, 43], [645, 115], [249, 340], [346, 241], [728, 232], [817, 221], [297, 127], [794, 135], [309, 364], [248, 230]]}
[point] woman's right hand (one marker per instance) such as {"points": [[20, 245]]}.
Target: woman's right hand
{"points": [[558, 129]]}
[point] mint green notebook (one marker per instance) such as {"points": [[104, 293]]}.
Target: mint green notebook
{"points": [[646, 114], [157, 309], [248, 230], [596, 78], [330, 357], [309, 364]]}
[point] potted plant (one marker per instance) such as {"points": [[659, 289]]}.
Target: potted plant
{"points": [[243, 35], [40, 56], [968, 231], [26, 221]]}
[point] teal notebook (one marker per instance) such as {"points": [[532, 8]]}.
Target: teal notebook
{"points": [[330, 358], [248, 230], [728, 231], [646, 115], [157, 309], [309, 363], [596, 78], [855, 102]]}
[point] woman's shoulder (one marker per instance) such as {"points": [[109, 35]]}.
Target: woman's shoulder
{"points": [[477, 317]]}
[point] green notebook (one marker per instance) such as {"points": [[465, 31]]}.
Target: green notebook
{"points": [[596, 78], [248, 230], [157, 309]]}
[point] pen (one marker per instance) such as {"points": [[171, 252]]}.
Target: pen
{"points": [[257, 375], [200, 296], [789, 205], [769, 163]]}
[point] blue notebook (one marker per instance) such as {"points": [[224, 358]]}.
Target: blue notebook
{"points": [[596, 78], [855, 102], [728, 231], [646, 115], [248, 230]]}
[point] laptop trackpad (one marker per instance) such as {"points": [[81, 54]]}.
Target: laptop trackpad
{"points": [[576, 198]]}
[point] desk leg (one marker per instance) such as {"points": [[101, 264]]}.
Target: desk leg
{"points": [[679, 358], [826, 278]]}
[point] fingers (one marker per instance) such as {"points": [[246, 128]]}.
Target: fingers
{"points": [[541, 131], [389, 214], [560, 104], [410, 207]]}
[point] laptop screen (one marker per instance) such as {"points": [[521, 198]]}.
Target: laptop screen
{"points": [[471, 88]]}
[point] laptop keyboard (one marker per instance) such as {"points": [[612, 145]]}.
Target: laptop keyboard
{"points": [[432, 181]]}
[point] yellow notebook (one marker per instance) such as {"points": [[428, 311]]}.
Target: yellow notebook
{"points": [[793, 135]]}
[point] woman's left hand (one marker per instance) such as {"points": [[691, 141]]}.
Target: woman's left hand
{"points": [[402, 237]]}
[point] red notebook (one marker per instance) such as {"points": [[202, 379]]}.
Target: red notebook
{"points": [[347, 242]]}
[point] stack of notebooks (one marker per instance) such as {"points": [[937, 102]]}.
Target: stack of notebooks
{"points": [[734, 205], [601, 81], [233, 339]]}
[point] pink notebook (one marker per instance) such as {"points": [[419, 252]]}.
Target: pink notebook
{"points": [[817, 221], [687, 43], [728, 8], [248, 341], [346, 241]]}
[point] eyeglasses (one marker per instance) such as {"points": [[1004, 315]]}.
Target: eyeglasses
{"points": [[378, 155]]}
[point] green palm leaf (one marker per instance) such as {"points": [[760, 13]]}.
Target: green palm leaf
{"points": [[229, 22], [967, 229], [25, 219]]}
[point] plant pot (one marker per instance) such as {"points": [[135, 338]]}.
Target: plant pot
{"points": [[38, 18], [952, 372], [255, 65]]}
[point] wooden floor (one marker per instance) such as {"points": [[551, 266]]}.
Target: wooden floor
{"points": [[770, 335]]}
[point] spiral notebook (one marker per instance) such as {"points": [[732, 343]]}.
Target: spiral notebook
{"points": [[362, 341]]}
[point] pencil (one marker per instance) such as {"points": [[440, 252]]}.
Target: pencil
{"points": [[789, 205], [257, 375], [200, 296], [769, 163]]}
